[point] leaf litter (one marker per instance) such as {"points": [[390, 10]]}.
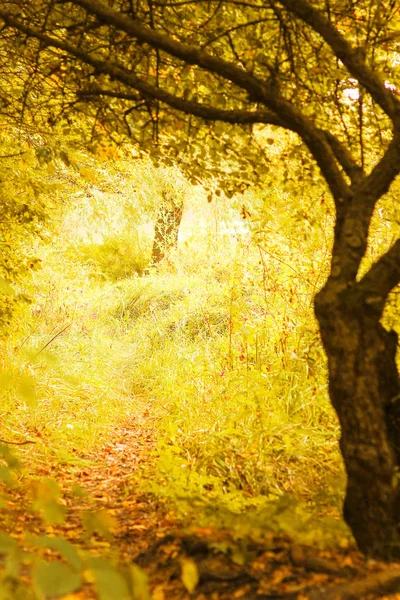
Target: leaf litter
{"points": [[102, 535]]}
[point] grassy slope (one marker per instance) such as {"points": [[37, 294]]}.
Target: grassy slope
{"points": [[219, 344]]}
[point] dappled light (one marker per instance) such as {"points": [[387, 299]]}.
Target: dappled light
{"points": [[199, 301]]}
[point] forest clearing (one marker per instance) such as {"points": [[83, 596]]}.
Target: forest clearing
{"points": [[199, 301]]}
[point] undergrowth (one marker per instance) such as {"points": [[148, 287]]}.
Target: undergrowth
{"points": [[218, 343]]}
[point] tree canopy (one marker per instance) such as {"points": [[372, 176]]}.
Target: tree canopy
{"points": [[163, 69]]}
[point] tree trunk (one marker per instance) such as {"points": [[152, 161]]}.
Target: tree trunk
{"points": [[364, 390], [167, 229]]}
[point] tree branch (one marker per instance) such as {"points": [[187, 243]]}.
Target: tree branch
{"points": [[208, 113], [353, 221], [381, 278], [351, 58], [259, 91], [189, 54], [343, 156], [382, 175], [13, 155], [233, 29]]}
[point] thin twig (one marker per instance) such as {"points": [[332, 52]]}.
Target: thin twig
{"points": [[53, 338]]}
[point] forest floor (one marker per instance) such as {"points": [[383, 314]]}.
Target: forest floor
{"points": [[177, 557]]}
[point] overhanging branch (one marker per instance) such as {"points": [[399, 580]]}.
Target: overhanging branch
{"points": [[343, 156], [382, 175], [189, 54], [351, 58], [259, 91], [197, 109]]}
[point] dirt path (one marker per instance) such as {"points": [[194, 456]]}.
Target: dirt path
{"points": [[117, 520]]}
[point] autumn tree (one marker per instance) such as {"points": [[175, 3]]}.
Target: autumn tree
{"points": [[205, 77]]}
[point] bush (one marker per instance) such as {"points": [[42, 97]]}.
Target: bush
{"points": [[23, 215], [117, 257]]}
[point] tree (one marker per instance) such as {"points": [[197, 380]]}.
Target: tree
{"points": [[175, 70], [166, 229], [169, 214], [24, 185]]}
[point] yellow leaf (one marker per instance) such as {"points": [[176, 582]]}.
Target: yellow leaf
{"points": [[158, 593], [89, 576], [190, 574], [87, 174], [51, 169]]}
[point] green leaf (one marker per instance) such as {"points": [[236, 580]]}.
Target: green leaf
{"points": [[110, 584], [53, 513], [6, 288], [45, 494], [140, 583], [55, 579], [8, 455], [27, 389], [100, 522], [6, 475], [59, 544], [7, 543]]}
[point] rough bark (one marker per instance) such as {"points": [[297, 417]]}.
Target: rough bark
{"points": [[166, 229], [364, 389]]}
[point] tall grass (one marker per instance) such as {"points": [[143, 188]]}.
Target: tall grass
{"points": [[219, 345]]}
